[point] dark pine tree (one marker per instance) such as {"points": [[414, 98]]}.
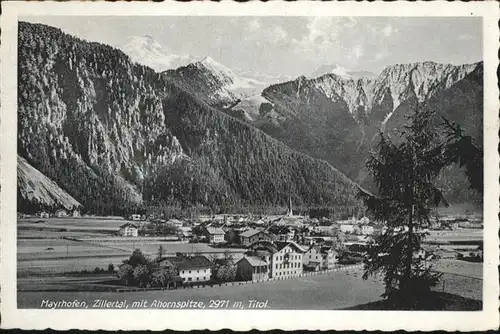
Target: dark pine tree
{"points": [[462, 149], [405, 175]]}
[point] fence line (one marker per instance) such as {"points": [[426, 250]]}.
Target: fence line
{"points": [[269, 280]]}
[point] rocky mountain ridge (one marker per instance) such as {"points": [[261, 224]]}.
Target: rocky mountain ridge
{"points": [[337, 115], [338, 119]]}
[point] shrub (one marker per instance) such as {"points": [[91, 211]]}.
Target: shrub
{"points": [[142, 275], [125, 273]]}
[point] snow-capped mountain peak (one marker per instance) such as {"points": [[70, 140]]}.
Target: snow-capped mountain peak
{"points": [[239, 85], [215, 67], [210, 62], [147, 51]]}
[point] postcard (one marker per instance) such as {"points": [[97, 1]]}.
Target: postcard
{"points": [[249, 165]]}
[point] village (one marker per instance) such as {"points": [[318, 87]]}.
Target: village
{"points": [[219, 248]]}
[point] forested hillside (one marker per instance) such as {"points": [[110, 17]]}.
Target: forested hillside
{"points": [[116, 135]]}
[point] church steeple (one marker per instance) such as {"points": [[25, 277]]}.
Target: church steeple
{"points": [[290, 210]]}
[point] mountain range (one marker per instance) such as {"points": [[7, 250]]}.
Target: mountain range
{"points": [[337, 118], [112, 133]]}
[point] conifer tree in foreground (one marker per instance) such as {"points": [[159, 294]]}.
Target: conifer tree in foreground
{"points": [[405, 173]]}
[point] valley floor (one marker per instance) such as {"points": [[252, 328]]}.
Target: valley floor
{"points": [[44, 257], [318, 292]]}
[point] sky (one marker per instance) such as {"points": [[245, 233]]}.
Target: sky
{"points": [[292, 45]]}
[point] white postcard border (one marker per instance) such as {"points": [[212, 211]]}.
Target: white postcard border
{"points": [[260, 319]]}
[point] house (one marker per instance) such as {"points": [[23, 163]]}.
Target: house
{"points": [[76, 213], [347, 228], [248, 237], [214, 235], [313, 254], [185, 235], [426, 252], [464, 224], [325, 228], [478, 225], [282, 233], [435, 225], [43, 214], [252, 268], [260, 222], [191, 269], [135, 217], [175, 223], [312, 266], [325, 257], [363, 221], [284, 259], [129, 230], [61, 213], [186, 228], [368, 229], [232, 235], [329, 257]]}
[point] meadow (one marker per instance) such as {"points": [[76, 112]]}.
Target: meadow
{"points": [[52, 246], [458, 267], [71, 223], [460, 234]]}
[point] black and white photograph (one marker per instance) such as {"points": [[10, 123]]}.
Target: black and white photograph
{"points": [[261, 162]]}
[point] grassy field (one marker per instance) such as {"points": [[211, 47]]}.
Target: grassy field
{"points": [[54, 234], [458, 267], [32, 249], [464, 286], [41, 249], [441, 301], [465, 234], [337, 290], [55, 255], [72, 223], [320, 292], [51, 266], [460, 209]]}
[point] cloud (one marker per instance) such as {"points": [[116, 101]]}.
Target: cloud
{"points": [[350, 22], [387, 30], [381, 55], [254, 24], [278, 34], [321, 34], [356, 52]]}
